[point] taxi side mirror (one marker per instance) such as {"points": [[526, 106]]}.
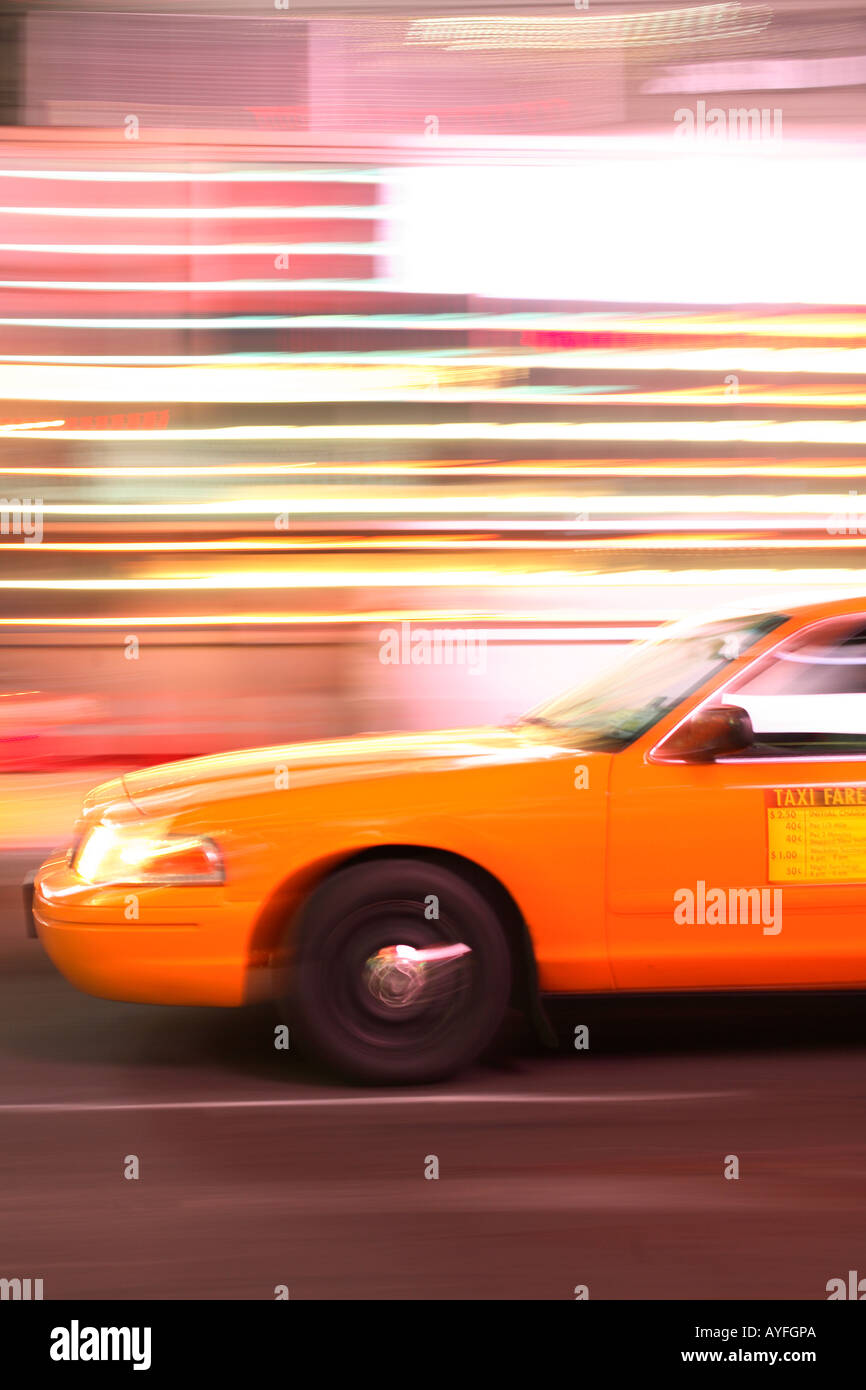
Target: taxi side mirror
{"points": [[709, 733]]}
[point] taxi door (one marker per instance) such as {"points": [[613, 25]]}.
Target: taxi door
{"points": [[751, 871]]}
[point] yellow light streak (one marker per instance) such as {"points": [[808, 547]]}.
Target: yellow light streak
{"points": [[516, 577], [402, 470], [641, 29]]}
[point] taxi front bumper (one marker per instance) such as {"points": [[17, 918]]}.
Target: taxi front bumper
{"points": [[155, 945]]}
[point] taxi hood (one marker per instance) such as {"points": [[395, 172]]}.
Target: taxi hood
{"points": [[174, 786]]}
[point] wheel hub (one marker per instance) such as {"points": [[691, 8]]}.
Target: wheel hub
{"points": [[399, 976]]}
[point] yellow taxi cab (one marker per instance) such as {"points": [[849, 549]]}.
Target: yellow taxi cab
{"points": [[694, 818]]}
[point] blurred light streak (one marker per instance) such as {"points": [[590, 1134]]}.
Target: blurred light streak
{"points": [[31, 425], [394, 384], [759, 432], [516, 576], [850, 325], [331, 174], [426, 505], [228, 248], [404, 470], [640, 627], [844, 361], [785, 323], [572, 542], [305, 212], [640, 29]]}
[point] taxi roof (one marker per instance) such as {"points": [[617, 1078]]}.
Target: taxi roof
{"points": [[804, 608], [824, 608]]}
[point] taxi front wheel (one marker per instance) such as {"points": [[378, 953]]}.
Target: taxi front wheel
{"points": [[401, 972]]}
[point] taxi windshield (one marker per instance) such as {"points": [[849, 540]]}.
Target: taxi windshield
{"points": [[613, 709]]}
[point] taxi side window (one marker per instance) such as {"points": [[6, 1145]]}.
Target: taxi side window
{"points": [[808, 697]]}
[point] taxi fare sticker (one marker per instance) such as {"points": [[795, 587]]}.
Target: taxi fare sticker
{"points": [[816, 834]]}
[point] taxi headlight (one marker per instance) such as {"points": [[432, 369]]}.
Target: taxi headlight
{"points": [[127, 854]]}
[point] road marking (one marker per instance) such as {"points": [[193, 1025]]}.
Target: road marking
{"points": [[422, 1098]]}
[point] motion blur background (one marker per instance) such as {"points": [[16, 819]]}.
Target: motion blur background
{"points": [[321, 317], [539, 322]]}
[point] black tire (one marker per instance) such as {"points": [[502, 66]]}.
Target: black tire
{"points": [[342, 989]]}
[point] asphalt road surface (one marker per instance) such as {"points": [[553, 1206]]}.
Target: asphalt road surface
{"points": [[602, 1168]]}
